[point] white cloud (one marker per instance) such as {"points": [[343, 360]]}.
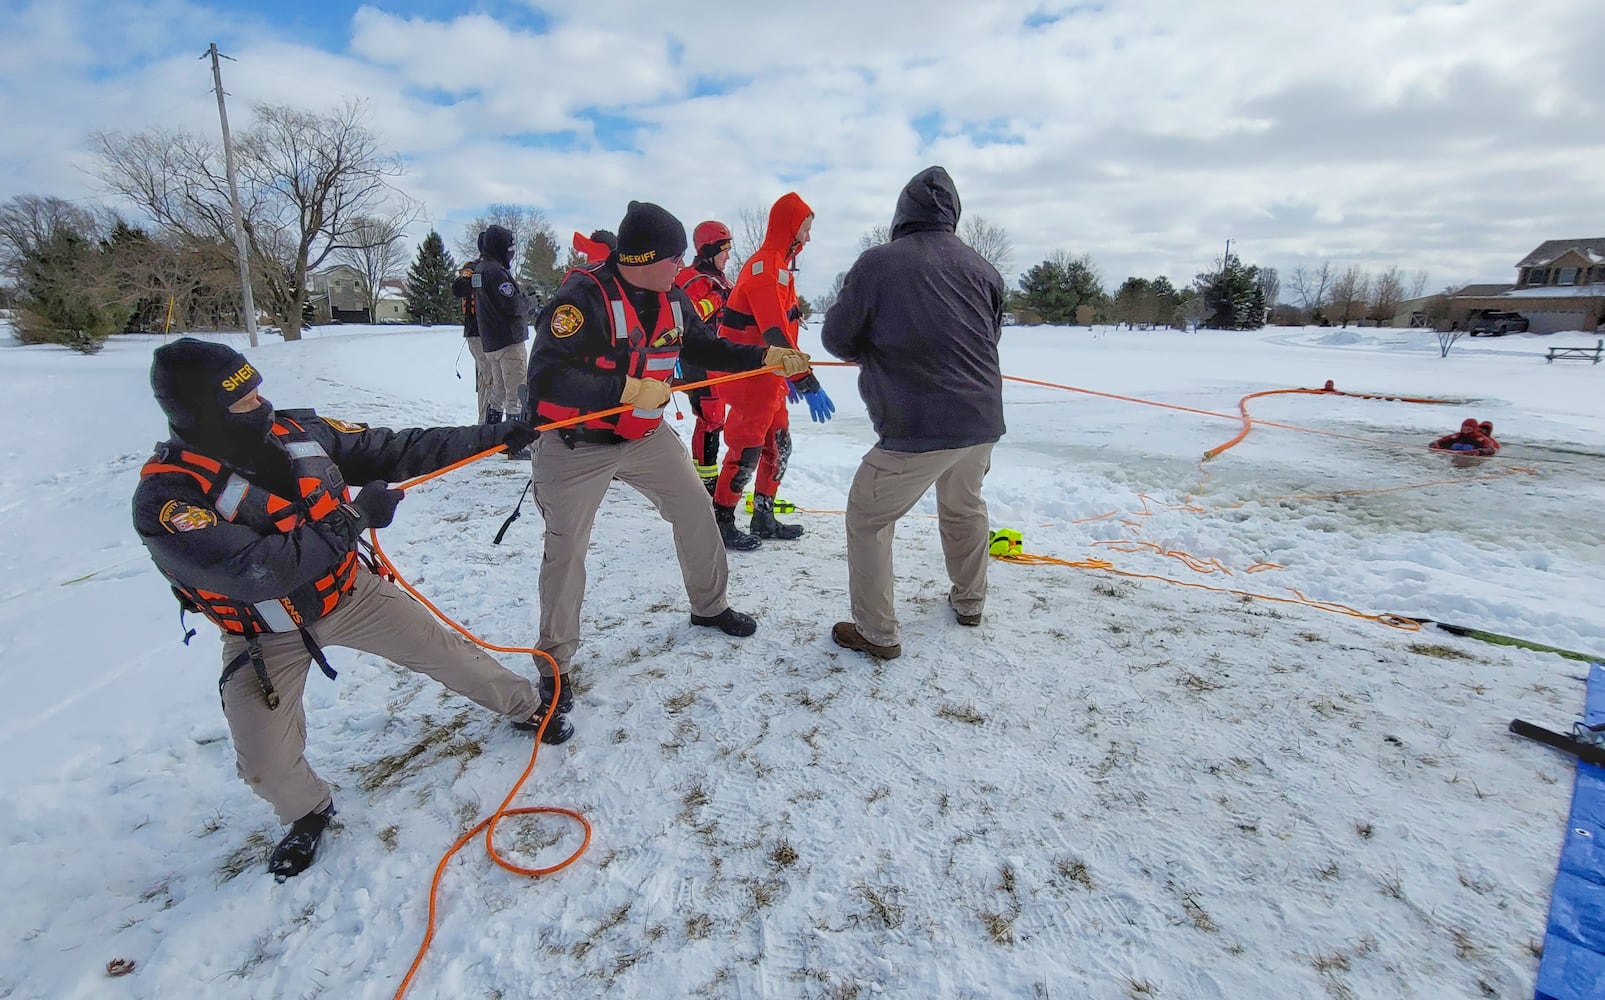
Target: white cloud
{"points": [[1450, 136]]}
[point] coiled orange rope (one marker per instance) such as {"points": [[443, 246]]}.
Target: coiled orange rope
{"points": [[489, 823]]}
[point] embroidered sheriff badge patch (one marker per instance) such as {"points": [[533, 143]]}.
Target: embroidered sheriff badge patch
{"points": [[567, 320], [179, 516]]}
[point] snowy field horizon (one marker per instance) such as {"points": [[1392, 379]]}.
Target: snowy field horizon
{"points": [[1186, 775]]}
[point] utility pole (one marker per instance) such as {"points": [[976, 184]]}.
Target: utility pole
{"points": [[1224, 260], [240, 243]]}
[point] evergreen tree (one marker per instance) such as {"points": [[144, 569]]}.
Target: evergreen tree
{"points": [[1233, 296], [429, 298], [539, 272], [66, 295], [1055, 288]]}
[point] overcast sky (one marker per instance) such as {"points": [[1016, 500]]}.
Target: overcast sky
{"points": [[1446, 136]]}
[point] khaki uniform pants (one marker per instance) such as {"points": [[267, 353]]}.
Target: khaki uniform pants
{"points": [[375, 617], [508, 369], [481, 377], [569, 487], [887, 486]]}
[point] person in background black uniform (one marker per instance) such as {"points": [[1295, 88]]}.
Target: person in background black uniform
{"points": [[612, 335], [502, 310], [246, 513], [462, 288]]}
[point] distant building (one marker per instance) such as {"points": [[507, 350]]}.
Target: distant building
{"points": [[392, 302], [338, 295], [1560, 285]]}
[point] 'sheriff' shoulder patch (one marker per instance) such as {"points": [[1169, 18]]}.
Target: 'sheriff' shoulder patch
{"points": [[345, 426], [567, 320], [179, 516]]}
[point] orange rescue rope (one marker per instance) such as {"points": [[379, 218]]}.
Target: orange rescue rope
{"points": [[489, 823]]}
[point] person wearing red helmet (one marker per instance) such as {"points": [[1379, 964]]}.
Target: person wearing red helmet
{"points": [[1470, 440], [763, 310], [704, 283]]}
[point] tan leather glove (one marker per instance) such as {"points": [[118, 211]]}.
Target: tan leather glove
{"points": [[645, 393], [791, 362]]}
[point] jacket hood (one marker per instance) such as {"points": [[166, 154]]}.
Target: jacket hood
{"points": [[929, 202], [497, 242], [785, 218]]}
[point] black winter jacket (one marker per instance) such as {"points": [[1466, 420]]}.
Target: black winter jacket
{"points": [[235, 560], [500, 307], [462, 287], [563, 365], [922, 316]]}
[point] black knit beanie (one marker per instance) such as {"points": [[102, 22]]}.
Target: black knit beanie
{"points": [[196, 381], [649, 234]]}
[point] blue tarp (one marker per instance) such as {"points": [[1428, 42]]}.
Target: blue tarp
{"points": [[1573, 966]]}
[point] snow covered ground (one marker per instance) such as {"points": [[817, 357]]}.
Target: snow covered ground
{"points": [[1115, 788]]}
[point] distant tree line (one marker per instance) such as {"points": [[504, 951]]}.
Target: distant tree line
{"points": [[1325, 295]]}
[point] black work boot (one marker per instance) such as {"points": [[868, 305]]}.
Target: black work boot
{"points": [[735, 539], [729, 621], [559, 730], [296, 851], [764, 524]]}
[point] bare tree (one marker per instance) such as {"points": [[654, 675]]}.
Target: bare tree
{"points": [[1418, 284], [525, 222], [30, 222], [1350, 291], [1446, 341], [874, 237], [1193, 310], [824, 302], [378, 254], [747, 237], [1387, 291], [1270, 285], [1312, 287], [307, 180], [990, 241]]}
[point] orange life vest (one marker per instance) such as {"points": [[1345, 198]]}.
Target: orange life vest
{"points": [[707, 292], [652, 355], [238, 501]]}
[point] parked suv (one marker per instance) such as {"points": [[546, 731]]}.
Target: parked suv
{"points": [[1493, 323]]}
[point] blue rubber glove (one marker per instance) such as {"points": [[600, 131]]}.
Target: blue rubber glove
{"points": [[792, 395], [820, 408], [1462, 447]]}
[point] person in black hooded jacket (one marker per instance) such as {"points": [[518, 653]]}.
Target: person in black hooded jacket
{"points": [[502, 310], [921, 316]]}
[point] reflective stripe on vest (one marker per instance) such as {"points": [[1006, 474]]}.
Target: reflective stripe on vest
{"points": [[652, 356], [239, 501]]}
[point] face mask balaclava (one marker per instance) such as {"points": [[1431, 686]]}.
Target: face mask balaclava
{"points": [[195, 383]]}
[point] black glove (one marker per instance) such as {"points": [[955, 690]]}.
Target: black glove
{"points": [[518, 435], [376, 502]]}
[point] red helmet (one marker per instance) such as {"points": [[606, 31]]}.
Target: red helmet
{"points": [[1468, 425], [710, 238], [1487, 427]]}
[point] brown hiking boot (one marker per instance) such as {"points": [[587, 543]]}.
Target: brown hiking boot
{"points": [[971, 620], [847, 636]]}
